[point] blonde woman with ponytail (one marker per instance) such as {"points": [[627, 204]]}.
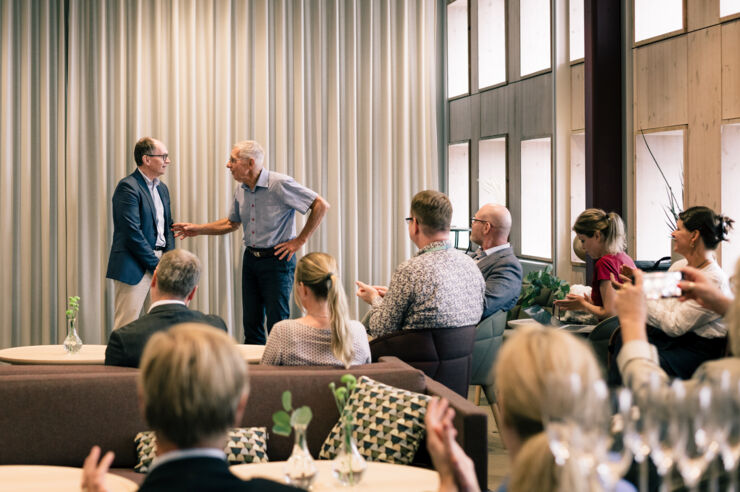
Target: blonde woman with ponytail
{"points": [[324, 335], [603, 239]]}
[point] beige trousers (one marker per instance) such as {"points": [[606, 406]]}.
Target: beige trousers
{"points": [[129, 300]]}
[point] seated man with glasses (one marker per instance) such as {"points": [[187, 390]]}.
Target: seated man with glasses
{"points": [[142, 224], [489, 229], [439, 287]]}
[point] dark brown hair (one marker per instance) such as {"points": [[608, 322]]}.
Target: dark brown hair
{"points": [[713, 228], [144, 146], [432, 210]]}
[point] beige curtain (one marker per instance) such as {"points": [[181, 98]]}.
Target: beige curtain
{"points": [[342, 95]]}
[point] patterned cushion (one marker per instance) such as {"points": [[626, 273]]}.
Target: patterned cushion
{"points": [[244, 445], [388, 424]]}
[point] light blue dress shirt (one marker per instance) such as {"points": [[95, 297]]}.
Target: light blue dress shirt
{"points": [[158, 208], [267, 213]]}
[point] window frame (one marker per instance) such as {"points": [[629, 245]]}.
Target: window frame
{"points": [[659, 37], [522, 255]]}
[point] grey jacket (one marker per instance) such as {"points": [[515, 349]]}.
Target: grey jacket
{"points": [[503, 275]]}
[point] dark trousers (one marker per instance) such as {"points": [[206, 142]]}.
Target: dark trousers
{"points": [[266, 286]]}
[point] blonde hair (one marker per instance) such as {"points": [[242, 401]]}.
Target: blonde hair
{"points": [[317, 271], [609, 225], [522, 366], [192, 379]]}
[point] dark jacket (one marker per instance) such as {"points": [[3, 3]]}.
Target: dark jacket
{"points": [[503, 275], [126, 344]]}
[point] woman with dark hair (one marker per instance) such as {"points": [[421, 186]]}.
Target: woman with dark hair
{"points": [[685, 333]]}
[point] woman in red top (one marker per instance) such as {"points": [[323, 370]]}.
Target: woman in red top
{"points": [[603, 239]]}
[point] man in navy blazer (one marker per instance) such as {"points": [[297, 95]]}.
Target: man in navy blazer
{"points": [[142, 224], [501, 270]]}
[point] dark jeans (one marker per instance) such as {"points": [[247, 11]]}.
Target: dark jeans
{"points": [[266, 286]]}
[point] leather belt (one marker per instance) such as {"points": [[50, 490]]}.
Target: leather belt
{"points": [[261, 252], [159, 248]]}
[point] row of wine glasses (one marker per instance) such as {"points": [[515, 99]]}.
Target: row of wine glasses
{"points": [[690, 427]]}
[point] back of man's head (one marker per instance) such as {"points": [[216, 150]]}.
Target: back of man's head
{"points": [[144, 146], [432, 210], [250, 149], [500, 219], [192, 380], [178, 273]]}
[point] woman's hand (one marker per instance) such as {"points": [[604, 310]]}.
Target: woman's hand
{"points": [[367, 293], [574, 302], [93, 473], [632, 309], [696, 286]]}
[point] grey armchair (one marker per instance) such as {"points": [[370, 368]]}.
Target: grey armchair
{"points": [[489, 335]]}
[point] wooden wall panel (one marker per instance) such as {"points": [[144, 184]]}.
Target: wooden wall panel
{"points": [[494, 111], [660, 84], [577, 98], [701, 13], [460, 120], [703, 167], [731, 70], [534, 98]]}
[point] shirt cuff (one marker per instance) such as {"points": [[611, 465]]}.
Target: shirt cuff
{"points": [[636, 349], [377, 302]]}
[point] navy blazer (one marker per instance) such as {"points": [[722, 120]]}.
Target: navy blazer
{"points": [[135, 229]]}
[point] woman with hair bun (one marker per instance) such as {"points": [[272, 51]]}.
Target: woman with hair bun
{"points": [[685, 333], [324, 335], [603, 238]]}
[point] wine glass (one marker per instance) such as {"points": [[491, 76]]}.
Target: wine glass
{"points": [[663, 427], [694, 449], [636, 439], [730, 448], [615, 456]]}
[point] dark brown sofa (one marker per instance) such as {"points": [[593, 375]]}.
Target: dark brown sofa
{"points": [[52, 415]]}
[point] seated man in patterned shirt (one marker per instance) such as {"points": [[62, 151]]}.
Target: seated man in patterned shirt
{"points": [[439, 287]]}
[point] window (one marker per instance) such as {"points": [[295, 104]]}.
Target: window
{"points": [[534, 35], [577, 33], [728, 7], [656, 17], [536, 189], [730, 196], [491, 42], [492, 171], [457, 48], [577, 184], [458, 180], [652, 202]]}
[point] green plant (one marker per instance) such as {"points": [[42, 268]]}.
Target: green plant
{"points": [[535, 281], [342, 393], [284, 422], [73, 307]]}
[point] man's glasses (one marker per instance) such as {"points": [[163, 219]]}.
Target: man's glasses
{"points": [[163, 156], [408, 219], [478, 220]]}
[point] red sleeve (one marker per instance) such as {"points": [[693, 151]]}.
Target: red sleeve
{"points": [[605, 265]]}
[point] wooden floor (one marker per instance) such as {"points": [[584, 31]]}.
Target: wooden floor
{"points": [[498, 458]]}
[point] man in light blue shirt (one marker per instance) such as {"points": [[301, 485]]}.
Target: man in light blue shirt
{"points": [[264, 206]]}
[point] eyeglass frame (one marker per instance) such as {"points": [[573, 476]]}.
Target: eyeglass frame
{"points": [[409, 219], [163, 156], [473, 219]]}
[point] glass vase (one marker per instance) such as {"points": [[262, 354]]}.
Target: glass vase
{"points": [[349, 465], [300, 470], [73, 342]]}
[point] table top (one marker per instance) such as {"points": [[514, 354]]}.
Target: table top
{"points": [[251, 353], [53, 354], [574, 328], [378, 476], [28, 478]]}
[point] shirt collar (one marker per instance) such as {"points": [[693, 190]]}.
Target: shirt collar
{"points": [[262, 180], [165, 301], [434, 246], [490, 251], [181, 454], [149, 182]]}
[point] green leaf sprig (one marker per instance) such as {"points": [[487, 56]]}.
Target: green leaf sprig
{"points": [[535, 281], [284, 422], [73, 307], [341, 394]]}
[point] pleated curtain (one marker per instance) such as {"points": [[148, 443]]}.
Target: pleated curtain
{"points": [[343, 96]]}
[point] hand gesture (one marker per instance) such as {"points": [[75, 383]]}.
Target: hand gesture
{"points": [[288, 248], [381, 289], [696, 286], [366, 292], [573, 302], [93, 473], [185, 229], [632, 309]]}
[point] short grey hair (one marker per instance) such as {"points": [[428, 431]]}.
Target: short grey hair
{"points": [[178, 273], [251, 149]]}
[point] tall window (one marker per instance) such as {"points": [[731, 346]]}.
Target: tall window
{"points": [[536, 189], [492, 171], [457, 48], [577, 184], [728, 7], [458, 178], [730, 195], [652, 202], [577, 33], [491, 42], [656, 17], [534, 35]]}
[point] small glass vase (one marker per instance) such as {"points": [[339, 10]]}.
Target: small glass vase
{"points": [[349, 465], [73, 342], [300, 469]]}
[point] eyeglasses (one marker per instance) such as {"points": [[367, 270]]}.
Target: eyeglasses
{"points": [[408, 219], [478, 220], [163, 156]]}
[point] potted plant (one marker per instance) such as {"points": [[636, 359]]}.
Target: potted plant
{"points": [[541, 287]]}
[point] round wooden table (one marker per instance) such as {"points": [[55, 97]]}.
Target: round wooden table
{"points": [[53, 354], [378, 476], [28, 478], [251, 353]]}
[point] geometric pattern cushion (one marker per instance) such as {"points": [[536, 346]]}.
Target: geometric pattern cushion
{"points": [[243, 445], [388, 423]]}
